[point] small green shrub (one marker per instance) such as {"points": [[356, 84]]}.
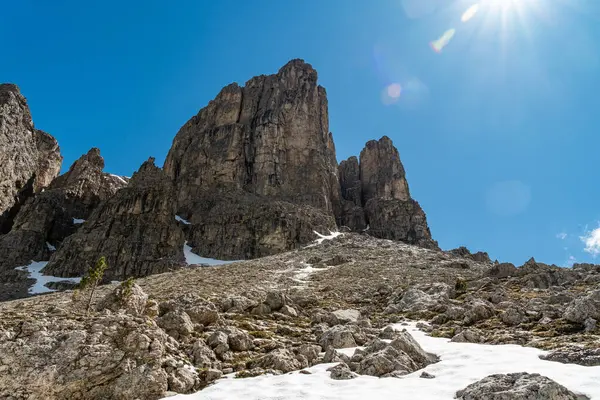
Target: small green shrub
{"points": [[90, 282]]}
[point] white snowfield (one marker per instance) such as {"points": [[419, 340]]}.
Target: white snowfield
{"points": [[461, 364], [78, 221], [193, 258], [40, 280]]}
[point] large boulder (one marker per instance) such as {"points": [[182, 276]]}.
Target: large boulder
{"points": [[401, 356], [127, 297], [583, 308], [110, 356], [135, 230], [518, 386]]}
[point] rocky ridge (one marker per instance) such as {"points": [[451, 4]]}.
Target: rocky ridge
{"points": [[46, 219], [135, 230]]}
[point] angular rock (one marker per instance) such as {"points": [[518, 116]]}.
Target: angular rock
{"points": [[467, 336], [341, 372], [237, 339], [341, 317], [589, 357], [463, 252], [580, 309], [108, 356], [176, 323], [280, 360], [400, 357], [202, 355], [517, 386], [200, 310], [513, 316], [135, 230], [338, 337], [502, 270], [309, 351], [543, 276], [478, 310], [129, 298]]}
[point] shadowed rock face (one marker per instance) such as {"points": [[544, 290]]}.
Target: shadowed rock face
{"points": [[375, 194], [135, 230], [29, 158], [267, 139], [234, 225], [48, 218]]}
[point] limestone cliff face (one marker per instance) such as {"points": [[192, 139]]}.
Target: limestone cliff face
{"points": [[135, 230], [268, 139], [382, 175], [29, 158], [376, 195], [47, 219]]}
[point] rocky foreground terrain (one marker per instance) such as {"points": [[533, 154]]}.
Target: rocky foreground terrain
{"points": [[338, 258], [180, 331]]}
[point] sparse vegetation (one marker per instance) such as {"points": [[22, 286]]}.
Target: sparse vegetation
{"points": [[90, 282], [460, 286]]}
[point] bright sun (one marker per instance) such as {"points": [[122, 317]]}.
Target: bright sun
{"points": [[500, 16]]}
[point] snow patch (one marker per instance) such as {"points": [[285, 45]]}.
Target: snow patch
{"points": [[321, 238], [50, 247], [178, 218], [461, 364], [78, 221], [119, 177], [34, 270], [194, 259]]}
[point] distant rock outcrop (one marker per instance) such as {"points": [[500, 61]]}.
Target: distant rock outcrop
{"points": [[29, 158], [135, 230], [267, 140], [48, 218], [375, 195]]}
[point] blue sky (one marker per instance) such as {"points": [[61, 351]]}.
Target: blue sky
{"points": [[498, 132]]}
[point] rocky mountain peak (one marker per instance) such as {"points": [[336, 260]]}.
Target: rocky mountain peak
{"points": [[297, 69], [149, 175], [85, 166], [29, 158], [135, 229], [266, 141], [382, 173], [375, 196]]}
